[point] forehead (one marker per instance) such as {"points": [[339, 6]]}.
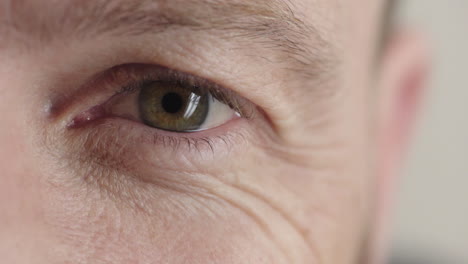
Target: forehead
{"points": [[309, 33], [50, 15]]}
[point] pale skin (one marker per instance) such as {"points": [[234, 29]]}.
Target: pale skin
{"points": [[306, 179]]}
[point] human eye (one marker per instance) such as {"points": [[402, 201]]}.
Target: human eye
{"points": [[179, 107], [167, 100], [142, 114]]}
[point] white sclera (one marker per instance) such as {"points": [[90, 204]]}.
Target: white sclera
{"points": [[218, 114]]}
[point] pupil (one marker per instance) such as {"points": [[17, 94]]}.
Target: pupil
{"points": [[172, 103]]}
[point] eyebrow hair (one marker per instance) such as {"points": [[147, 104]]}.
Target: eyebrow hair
{"points": [[273, 23]]}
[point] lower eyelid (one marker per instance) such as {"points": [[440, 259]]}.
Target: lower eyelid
{"points": [[127, 146], [116, 145], [118, 141]]}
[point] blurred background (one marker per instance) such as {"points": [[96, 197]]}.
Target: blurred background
{"points": [[432, 208]]}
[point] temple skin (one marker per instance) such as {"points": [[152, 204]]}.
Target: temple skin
{"points": [[305, 178]]}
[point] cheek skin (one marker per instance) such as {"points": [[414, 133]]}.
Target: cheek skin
{"points": [[178, 229], [252, 219], [219, 222], [23, 236], [317, 193], [288, 205]]}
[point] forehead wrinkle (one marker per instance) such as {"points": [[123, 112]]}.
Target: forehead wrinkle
{"points": [[103, 16], [275, 24]]}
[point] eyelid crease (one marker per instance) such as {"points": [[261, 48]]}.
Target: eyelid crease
{"points": [[131, 77]]}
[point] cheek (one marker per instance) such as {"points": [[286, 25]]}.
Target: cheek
{"points": [[321, 192], [160, 226], [22, 230]]}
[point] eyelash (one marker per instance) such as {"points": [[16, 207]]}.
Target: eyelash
{"points": [[135, 76]]}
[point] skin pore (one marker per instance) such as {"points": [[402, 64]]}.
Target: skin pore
{"points": [[298, 179]]}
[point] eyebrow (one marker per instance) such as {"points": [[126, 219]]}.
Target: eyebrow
{"points": [[272, 23]]}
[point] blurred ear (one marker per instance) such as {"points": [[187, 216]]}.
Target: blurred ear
{"points": [[402, 77]]}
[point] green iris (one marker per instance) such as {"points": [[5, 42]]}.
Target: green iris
{"points": [[173, 107]]}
